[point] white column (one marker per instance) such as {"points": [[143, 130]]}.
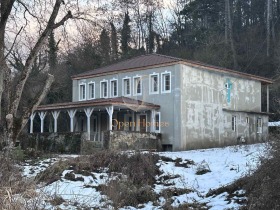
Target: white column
{"points": [[88, 112], [55, 115], [31, 121], [42, 117], [71, 114], [110, 110], [153, 120], [133, 121]]}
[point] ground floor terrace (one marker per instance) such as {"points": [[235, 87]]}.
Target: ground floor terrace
{"points": [[94, 117]]}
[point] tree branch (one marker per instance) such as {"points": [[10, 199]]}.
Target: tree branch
{"points": [[63, 20], [36, 102], [27, 69], [29, 12], [9, 52]]}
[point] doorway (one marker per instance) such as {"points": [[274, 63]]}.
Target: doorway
{"points": [[142, 123]]}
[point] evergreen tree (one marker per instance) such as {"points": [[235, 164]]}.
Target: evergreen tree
{"points": [[52, 45], [125, 35], [105, 46], [151, 38], [114, 42]]}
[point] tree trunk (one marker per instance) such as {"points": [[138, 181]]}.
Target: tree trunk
{"points": [[226, 21], [37, 101], [268, 26], [11, 117], [230, 34]]}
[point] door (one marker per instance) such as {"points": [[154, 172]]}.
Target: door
{"points": [[143, 121], [128, 122], [104, 122]]}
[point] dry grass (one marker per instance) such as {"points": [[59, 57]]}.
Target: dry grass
{"points": [[132, 188], [16, 193], [140, 168]]}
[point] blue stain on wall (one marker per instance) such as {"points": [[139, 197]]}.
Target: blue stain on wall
{"points": [[228, 86]]}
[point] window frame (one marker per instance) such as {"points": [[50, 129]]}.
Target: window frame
{"points": [[163, 90], [101, 89], [151, 89], [123, 86], [259, 125], [233, 123], [111, 92], [89, 90], [135, 88], [159, 120], [85, 86], [247, 120]]}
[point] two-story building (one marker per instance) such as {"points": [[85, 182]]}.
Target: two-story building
{"points": [[191, 104]]}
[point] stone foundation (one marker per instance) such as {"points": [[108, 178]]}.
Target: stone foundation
{"points": [[128, 140]]}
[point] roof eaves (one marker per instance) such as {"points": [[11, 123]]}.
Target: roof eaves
{"points": [[125, 70]]}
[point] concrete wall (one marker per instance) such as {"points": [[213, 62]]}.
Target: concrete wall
{"points": [[205, 123], [124, 140], [194, 109]]}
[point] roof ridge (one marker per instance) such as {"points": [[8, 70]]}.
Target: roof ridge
{"points": [[167, 56], [121, 61]]}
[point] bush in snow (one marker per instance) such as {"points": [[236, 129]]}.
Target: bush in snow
{"points": [[202, 168]]}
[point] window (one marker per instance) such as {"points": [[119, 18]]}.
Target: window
{"points": [[104, 89], [247, 120], [137, 86], [154, 83], [166, 82], [259, 125], [157, 122], [91, 90], [233, 123], [126, 87], [82, 92], [114, 88]]}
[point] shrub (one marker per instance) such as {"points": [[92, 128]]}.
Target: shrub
{"points": [[126, 193], [18, 154], [138, 172], [52, 173], [202, 168], [12, 184]]}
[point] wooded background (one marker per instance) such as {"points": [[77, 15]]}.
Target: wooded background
{"points": [[238, 34]]}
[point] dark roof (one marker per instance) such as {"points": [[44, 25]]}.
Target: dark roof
{"points": [[133, 63], [153, 60], [123, 102]]}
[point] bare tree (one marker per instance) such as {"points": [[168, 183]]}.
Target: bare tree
{"points": [[12, 122]]}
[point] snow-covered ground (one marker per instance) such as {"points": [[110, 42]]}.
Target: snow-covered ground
{"points": [[273, 124], [225, 165]]}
